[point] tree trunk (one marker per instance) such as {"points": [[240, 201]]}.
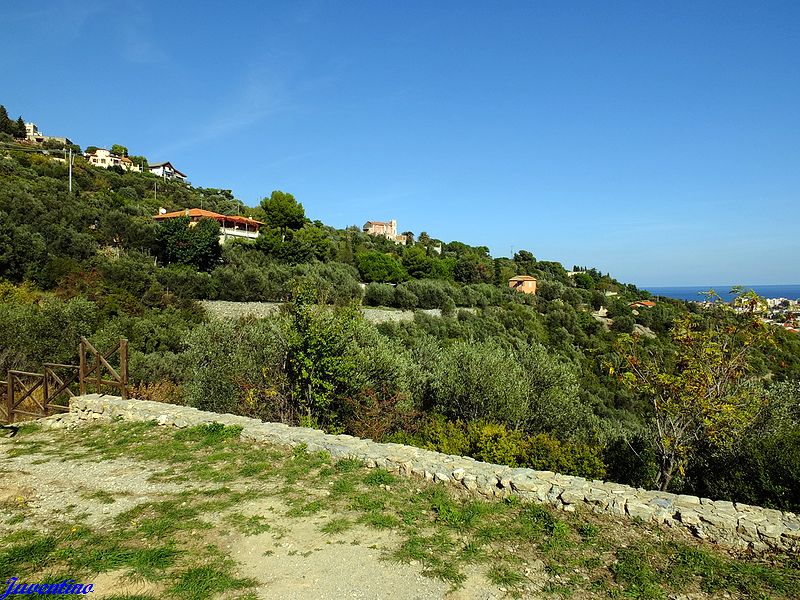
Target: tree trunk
{"points": [[666, 471]]}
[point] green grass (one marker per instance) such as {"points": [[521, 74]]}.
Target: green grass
{"points": [[253, 525], [199, 583], [336, 525], [501, 575]]}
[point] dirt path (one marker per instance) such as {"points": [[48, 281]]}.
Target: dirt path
{"points": [[293, 559]]}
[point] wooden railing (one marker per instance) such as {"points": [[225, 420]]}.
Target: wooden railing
{"points": [[36, 395], [91, 373]]}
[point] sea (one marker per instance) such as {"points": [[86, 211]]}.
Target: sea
{"points": [[694, 292]]}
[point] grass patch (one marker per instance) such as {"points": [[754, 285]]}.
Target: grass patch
{"points": [[504, 576], [253, 525], [199, 583], [379, 477], [337, 525]]}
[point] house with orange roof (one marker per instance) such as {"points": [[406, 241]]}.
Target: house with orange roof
{"points": [[230, 226], [642, 304]]}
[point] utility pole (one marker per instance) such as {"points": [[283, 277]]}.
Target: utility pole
{"points": [[71, 158], [155, 190]]}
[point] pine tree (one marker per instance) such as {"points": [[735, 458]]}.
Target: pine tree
{"points": [[20, 129]]}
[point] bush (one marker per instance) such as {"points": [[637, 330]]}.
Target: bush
{"points": [[46, 331], [623, 324], [495, 443], [236, 367], [405, 298], [547, 453], [480, 381], [432, 293], [377, 266], [379, 294], [334, 282]]}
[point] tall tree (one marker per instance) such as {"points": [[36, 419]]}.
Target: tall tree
{"points": [[704, 389], [21, 132], [283, 212]]}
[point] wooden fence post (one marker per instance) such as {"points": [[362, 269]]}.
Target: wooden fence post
{"points": [[123, 367], [45, 395], [82, 368], [10, 398]]}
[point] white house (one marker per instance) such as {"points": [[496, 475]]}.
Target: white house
{"points": [[167, 171], [101, 157]]}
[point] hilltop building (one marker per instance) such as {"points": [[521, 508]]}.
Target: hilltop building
{"points": [[32, 134], [231, 226], [523, 283], [100, 157], [387, 229], [167, 171]]}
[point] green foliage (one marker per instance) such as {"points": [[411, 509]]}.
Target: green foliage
{"points": [[706, 390], [283, 212], [480, 381], [236, 367], [9, 126], [185, 243], [496, 443], [47, 330], [763, 466], [379, 294], [318, 366], [377, 266]]}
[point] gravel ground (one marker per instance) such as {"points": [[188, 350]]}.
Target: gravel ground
{"points": [[301, 563]]}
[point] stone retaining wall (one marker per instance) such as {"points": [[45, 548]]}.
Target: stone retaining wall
{"points": [[224, 309], [727, 523]]}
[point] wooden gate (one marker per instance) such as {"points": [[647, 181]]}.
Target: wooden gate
{"points": [[35, 395]]}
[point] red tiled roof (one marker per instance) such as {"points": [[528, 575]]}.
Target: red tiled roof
{"points": [[200, 213]]}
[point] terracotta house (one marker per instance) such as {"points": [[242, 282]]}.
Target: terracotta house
{"points": [[523, 283]]}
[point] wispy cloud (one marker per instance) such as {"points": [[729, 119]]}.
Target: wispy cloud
{"points": [[260, 96]]}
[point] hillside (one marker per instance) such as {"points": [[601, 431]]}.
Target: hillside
{"points": [[523, 380]]}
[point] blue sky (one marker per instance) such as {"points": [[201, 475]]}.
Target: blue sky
{"points": [[658, 141]]}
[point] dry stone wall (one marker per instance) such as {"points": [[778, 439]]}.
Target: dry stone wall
{"points": [[224, 309], [727, 523]]}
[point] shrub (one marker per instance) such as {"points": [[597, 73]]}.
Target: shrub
{"points": [[432, 293], [379, 294], [236, 367], [377, 266], [405, 298], [547, 453], [480, 381], [334, 282]]}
